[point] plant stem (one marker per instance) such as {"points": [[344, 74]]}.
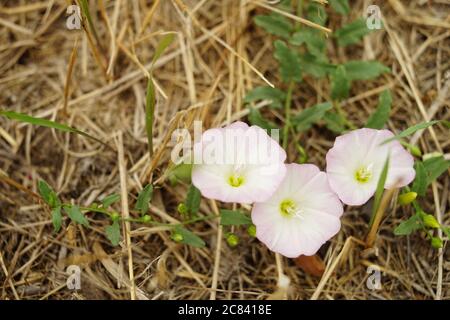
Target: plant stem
{"points": [[287, 111], [341, 112]]}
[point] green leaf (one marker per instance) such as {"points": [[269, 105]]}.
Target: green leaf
{"points": [[21, 117], [409, 226], [411, 130], [189, 237], [113, 233], [109, 200], [314, 66], [233, 218], [48, 194], [340, 83], [76, 215], [380, 189], [56, 219], [276, 96], [365, 70], [193, 200], [434, 167], [275, 24], [334, 122], [289, 61], [352, 33], [313, 39], [144, 197], [255, 118], [420, 181], [309, 116], [381, 115], [182, 171], [446, 231], [85, 9], [165, 41], [315, 12], [340, 6]]}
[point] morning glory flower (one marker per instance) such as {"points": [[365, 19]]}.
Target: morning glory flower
{"points": [[301, 215], [356, 161], [238, 163]]}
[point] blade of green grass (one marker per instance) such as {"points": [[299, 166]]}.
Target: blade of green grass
{"points": [[85, 9], [21, 117], [162, 45], [379, 190]]}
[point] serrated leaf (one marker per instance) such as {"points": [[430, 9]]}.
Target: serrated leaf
{"points": [[434, 167], [380, 189], [48, 194], [189, 237], [290, 68], [113, 233], [109, 200], [316, 13], [314, 66], [340, 6], [255, 118], [144, 197], [411, 130], [352, 33], [234, 218], [56, 219], [193, 200], [409, 226], [340, 83], [364, 70], [334, 122], [420, 181], [77, 216], [309, 116], [275, 24], [21, 117], [276, 96], [381, 115]]}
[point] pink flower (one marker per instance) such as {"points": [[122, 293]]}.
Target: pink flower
{"points": [[302, 214], [238, 163], [355, 162]]}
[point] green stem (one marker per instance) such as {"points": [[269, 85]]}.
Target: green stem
{"points": [[287, 111], [341, 112]]}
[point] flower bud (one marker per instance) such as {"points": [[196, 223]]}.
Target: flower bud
{"points": [[232, 239], [436, 242], [407, 198], [146, 218], [115, 216], [251, 230], [177, 237], [182, 209], [430, 221]]}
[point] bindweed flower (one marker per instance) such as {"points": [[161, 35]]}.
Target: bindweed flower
{"points": [[238, 163], [302, 214], [356, 161]]}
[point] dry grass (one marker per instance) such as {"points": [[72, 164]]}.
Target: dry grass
{"points": [[217, 57]]}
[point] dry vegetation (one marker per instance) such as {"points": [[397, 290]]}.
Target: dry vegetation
{"points": [[203, 75]]}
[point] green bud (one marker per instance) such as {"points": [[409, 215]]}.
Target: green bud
{"points": [[182, 208], [115, 216], [251, 230], [415, 150], [431, 155], [146, 218], [436, 242], [430, 221], [177, 237], [407, 198], [232, 239]]}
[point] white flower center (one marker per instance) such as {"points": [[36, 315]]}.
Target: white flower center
{"points": [[289, 209], [364, 173], [236, 177]]}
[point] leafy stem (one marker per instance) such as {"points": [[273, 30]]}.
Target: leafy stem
{"points": [[287, 110]]}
